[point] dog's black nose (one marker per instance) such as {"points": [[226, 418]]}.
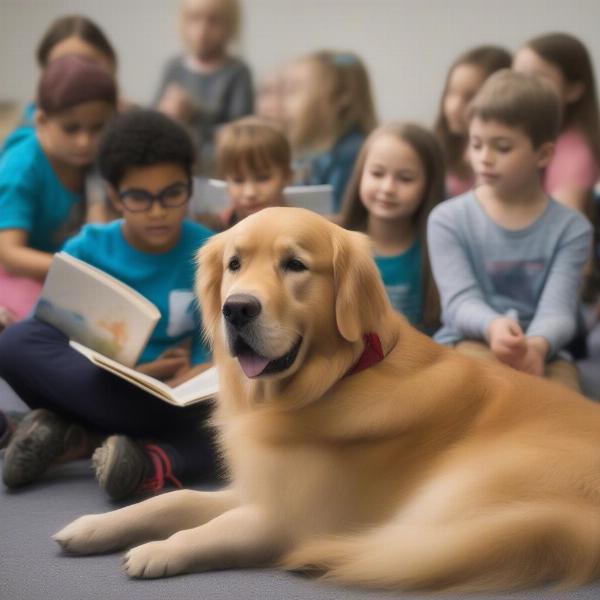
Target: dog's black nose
{"points": [[240, 309]]}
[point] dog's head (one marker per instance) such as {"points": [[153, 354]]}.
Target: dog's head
{"points": [[284, 287]]}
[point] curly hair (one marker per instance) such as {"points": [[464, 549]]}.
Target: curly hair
{"points": [[143, 138]]}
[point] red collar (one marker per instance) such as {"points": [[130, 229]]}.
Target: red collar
{"points": [[371, 355]]}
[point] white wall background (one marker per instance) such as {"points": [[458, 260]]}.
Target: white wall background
{"points": [[407, 44]]}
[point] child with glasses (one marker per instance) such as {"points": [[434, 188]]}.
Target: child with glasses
{"points": [[139, 440]]}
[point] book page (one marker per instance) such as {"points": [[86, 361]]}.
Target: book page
{"points": [[204, 385], [201, 387], [318, 198], [210, 195], [96, 310]]}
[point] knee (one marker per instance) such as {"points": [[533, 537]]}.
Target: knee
{"points": [[20, 346], [12, 346]]}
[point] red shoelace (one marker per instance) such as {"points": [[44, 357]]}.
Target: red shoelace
{"points": [[163, 470]]}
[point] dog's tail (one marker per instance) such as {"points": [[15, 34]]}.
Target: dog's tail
{"points": [[513, 546]]}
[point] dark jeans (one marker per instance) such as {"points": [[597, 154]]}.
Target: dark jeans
{"points": [[38, 363]]}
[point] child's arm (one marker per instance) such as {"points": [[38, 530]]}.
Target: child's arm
{"points": [[240, 98], [555, 317], [19, 191], [464, 307], [18, 259], [167, 76]]}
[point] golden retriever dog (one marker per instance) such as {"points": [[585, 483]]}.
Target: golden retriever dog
{"points": [[425, 469]]}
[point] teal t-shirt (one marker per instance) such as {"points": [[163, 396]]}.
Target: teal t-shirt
{"points": [[33, 198], [403, 280], [167, 280]]}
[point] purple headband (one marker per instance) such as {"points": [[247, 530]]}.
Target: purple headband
{"points": [[72, 80]]}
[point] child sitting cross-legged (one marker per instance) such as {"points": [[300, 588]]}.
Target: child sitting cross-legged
{"points": [[146, 159], [507, 258]]}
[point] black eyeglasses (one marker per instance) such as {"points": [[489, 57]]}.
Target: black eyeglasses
{"points": [[138, 200]]}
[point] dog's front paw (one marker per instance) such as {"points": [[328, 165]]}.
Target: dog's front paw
{"points": [[154, 559], [89, 534]]}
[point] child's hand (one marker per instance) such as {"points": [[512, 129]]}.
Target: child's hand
{"points": [[177, 103], [170, 364], [7, 318], [507, 340], [534, 359]]}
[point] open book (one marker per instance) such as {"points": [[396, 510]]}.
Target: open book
{"points": [[210, 195], [96, 310], [201, 387], [110, 323]]}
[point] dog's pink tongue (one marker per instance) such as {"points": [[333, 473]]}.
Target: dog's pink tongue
{"points": [[252, 364]]}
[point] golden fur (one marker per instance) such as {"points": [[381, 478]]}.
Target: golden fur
{"points": [[427, 470]]}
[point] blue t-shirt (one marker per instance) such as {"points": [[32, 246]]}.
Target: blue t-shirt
{"points": [[403, 281], [334, 166], [167, 280], [33, 198]]}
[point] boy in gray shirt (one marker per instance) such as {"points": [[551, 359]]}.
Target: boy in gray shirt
{"points": [[507, 259]]}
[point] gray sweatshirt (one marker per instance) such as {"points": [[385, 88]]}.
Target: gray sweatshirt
{"points": [[484, 271], [220, 96]]}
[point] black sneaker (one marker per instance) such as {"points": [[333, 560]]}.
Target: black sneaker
{"points": [[8, 425], [125, 467], [38, 440]]}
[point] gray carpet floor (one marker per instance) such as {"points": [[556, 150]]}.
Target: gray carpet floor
{"points": [[33, 568]]}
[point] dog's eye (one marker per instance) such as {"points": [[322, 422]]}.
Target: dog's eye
{"points": [[293, 264], [234, 264]]}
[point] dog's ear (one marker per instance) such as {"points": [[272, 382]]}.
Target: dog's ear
{"points": [[209, 274], [360, 298]]}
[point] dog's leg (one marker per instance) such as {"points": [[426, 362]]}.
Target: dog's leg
{"points": [[156, 518], [242, 537]]}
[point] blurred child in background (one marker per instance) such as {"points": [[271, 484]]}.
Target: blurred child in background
{"points": [[254, 158], [42, 175], [328, 112], [397, 180], [146, 160], [270, 96], [72, 34], [508, 259], [77, 35], [575, 167], [464, 79], [206, 87]]}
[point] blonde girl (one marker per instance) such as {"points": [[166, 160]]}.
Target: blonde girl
{"points": [[565, 62], [328, 111], [464, 79], [205, 86], [397, 180]]}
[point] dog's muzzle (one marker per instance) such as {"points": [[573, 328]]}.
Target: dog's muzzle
{"points": [[241, 312]]}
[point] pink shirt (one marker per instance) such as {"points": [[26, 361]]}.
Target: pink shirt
{"points": [[455, 186], [573, 164]]}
